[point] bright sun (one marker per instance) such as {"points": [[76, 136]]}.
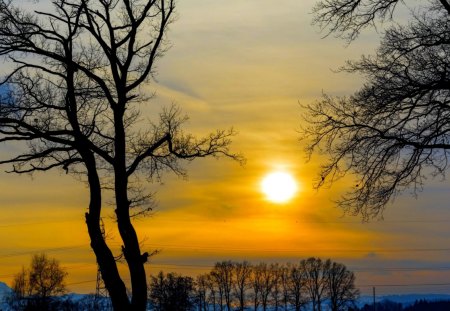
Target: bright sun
{"points": [[279, 187]]}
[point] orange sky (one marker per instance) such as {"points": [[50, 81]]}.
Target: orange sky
{"points": [[246, 64]]}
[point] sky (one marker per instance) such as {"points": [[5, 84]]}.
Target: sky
{"points": [[249, 65]]}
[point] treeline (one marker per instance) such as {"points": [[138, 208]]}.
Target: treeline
{"points": [[419, 305], [243, 286], [228, 286]]}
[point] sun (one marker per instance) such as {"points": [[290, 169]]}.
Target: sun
{"points": [[279, 186]]}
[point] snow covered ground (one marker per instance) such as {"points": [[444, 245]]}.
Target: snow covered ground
{"points": [[403, 299]]}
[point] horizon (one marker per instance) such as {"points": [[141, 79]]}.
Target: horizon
{"points": [[231, 65]]}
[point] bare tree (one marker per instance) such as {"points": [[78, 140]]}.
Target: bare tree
{"points": [[72, 99], [393, 131], [285, 286], [212, 291], [172, 292], [341, 291], [242, 273], [267, 276], [276, 291], [223, 275], [202, 292], [268, 286], [296, 285], [34, 288], [347, 18], [256, 285], [315, 280]]}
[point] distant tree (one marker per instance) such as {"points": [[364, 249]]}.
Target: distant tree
{"points": [[297, 286], [266, 284], [223, 276], [256, 284], [285, 284], [241, 283], [157, 291], [171, 292], [385, 305], [262, 287], [341, 291], [276, 291], [201, 288], [35, 288], [394, 130], [212, 291], [72, 100], [424, 305], [315, 280]]}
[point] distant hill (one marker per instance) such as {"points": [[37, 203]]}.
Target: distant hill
{"points": [[405, 300], [4, 291]]}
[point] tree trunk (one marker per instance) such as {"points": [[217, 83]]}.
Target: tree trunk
{"points": [[135, 260], [130, 248], [105, 258]]}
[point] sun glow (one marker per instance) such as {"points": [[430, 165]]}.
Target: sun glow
{"points": [[279, 186]]}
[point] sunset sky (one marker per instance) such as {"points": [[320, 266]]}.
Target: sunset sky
{"points": [[249, 65]]}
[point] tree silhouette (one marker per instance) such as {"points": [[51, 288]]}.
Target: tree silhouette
{"points": [[72, 102], [315, 280], [341, 289], [223, 275], [269, 286], [256, 283], [242, 273], [171, 292], [296, 286], [201, 292], [34, 288], [394, 130], [268, 276]]}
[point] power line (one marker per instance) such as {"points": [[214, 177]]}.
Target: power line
{"points": [[45, 250], [240, 249], [5, 225]]}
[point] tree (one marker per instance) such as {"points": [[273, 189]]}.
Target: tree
{"points": [[285, 285], [341, 291], [202, 292], [223, 273], [297, 286], [171, 292], [210, 283], [256, 284], [393, 131], [242, 273], [276, 292], [266, 283], [34, 288], [264, 286], [315, 280], [72, 99]]}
